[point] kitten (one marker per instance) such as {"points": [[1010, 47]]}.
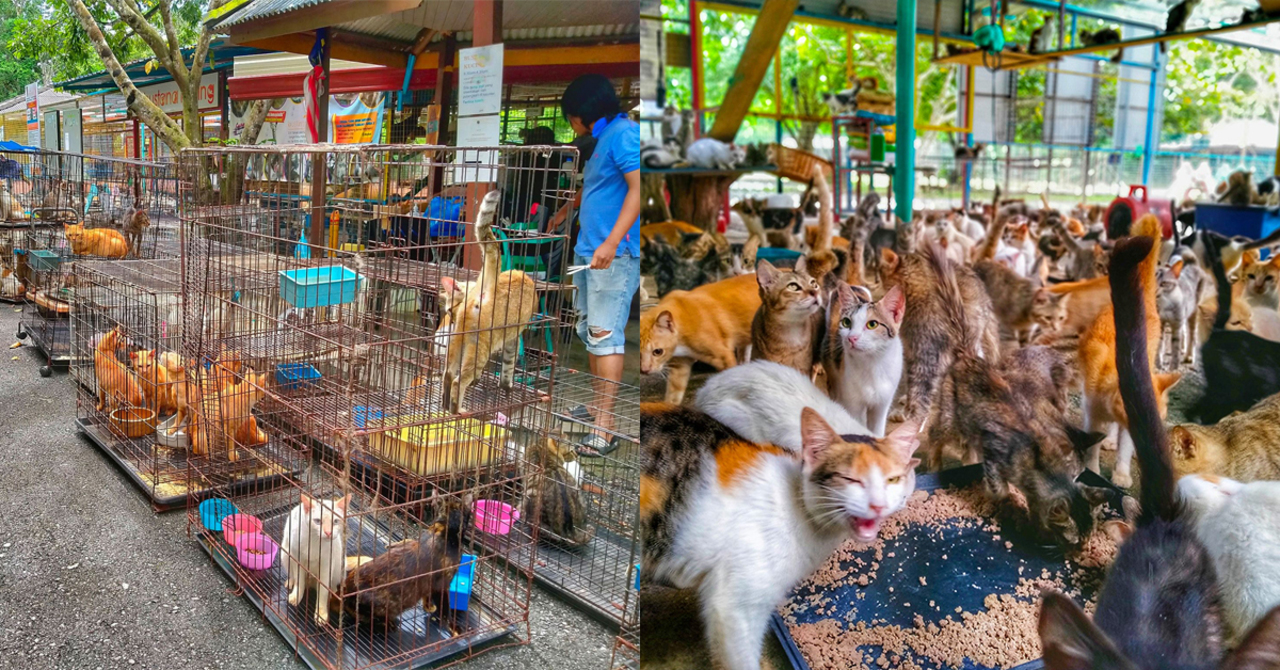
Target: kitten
{"points": [[862, 354], [745, 522], [1243, 446], [928, 340], [1102, 405], [1178, 288], [1158, 607], [313, 550], [1022, 308], [959, 247], [135, 223], [557, 493], [1262, 292], [710, 324], [1239, 525], [673, 271], [156, 383], [761, 401], [117, 385], [1007, 416], [409, 573], [1240, 368], [712, 154], [787, 328]]}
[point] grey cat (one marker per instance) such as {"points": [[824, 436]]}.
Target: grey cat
{"points": [[1179, 286]]}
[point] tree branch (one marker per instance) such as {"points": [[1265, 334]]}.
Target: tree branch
{"points": [[141, 27]]}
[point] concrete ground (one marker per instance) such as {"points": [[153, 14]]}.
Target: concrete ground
{"points": [[91, 579]]}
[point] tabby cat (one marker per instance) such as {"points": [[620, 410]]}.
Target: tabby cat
{"points": [[1243, 446], [787, 328], [557, 493]]}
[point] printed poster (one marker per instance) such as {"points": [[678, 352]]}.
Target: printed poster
{"points": [[480, 80], [33, 115], [359, 122]]}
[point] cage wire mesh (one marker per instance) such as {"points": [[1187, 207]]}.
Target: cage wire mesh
{"points": [[401, 356], [86, 208], [19, 177]]}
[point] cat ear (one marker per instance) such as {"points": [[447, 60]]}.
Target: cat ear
{"points": [[1261, 647], [1081, 440], [801, 265], [1071, 641], [306, 503], [448, 284], [896, 302], [1176, 268], [1096, 495], [766, 274], [816, 436], [665, 322], [1182, 442], [1166, 381], [904, 440], [341, 505]]}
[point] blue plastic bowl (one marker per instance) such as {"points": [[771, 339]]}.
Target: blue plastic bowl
{"points": [[363, 415], [319, 286], [214, 510], [460, 587], [777, 254], [294, 376]]}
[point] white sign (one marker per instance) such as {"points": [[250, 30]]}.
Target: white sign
{"points": [[478, 131], [33, 115], [169, 98], [480, 80]]}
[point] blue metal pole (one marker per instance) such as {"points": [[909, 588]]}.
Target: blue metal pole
{"points": [[777, 134], [904, 155], [1149, 142]]}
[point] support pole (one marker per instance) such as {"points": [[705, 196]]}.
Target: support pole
{"points": [[695, 62], [905, 158], [319, 167], [1149, 141], [777, 102]]}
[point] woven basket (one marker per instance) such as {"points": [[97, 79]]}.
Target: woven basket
{"points": [[796, 164]]}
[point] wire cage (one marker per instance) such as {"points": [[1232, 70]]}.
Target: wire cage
{"points": [[19, 172], [626, 646], [403, 353], [132, 382], [89, 208]]}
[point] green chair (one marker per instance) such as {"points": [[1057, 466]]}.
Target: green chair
{"points": [[532, 264]]}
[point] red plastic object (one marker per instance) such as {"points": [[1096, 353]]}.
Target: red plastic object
{"points": [[1135, 207], [722, 223]]}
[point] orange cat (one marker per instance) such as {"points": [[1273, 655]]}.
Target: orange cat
{"points": [[106, 242], [671, 232], [117, 384], [1088, 298], [710, 324], [184, 387], [1102, 405], [229, 413], [157, 385]]}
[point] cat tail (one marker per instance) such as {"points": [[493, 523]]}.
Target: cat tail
{"points": [[826, 222], [1134, 371], [952, 300], [1214, 257], [1269, 240], [490, 250], [989, 243], [995, 203]]}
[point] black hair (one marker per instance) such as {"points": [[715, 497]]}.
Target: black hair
{"points": [[590, 97]]}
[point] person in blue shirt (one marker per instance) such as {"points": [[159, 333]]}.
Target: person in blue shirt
{"points": [[608, 237]]}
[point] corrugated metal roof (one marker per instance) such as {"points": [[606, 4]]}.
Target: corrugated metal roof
{"points": [[262, 9], [47, 97]]}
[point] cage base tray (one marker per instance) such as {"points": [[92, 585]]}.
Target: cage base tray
{"points": [[167, 495], [52, 337], [357, 652]]}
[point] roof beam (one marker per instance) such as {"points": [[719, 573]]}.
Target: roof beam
{"points": [[765, 37], [325, 15]]}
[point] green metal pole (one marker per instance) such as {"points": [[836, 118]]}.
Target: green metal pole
{"points": [[904, 182]]}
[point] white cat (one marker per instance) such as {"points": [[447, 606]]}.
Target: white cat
{"points": [[1239, 525], [862, 352], [712, 154], [314, 551], [761, 401], [958, 246]]}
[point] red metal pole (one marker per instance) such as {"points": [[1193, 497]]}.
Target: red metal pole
{"points": [[695, 60]]}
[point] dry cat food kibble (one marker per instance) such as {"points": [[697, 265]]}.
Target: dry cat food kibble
{"points": [[1001, 633]]}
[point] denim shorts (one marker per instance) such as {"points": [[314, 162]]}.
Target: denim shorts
{"points": [[603, 302]]}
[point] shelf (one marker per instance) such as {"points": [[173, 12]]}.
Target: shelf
{"points": [[700, 172]]}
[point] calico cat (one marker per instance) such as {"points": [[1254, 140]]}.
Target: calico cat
{"points": [[1240, 368], [1239, 525], [156, 384], [1262, 291], [226, 419], [712, 154], [1007, 416], [314, 551], [104, 242], [557, 493], [706, 494], [484, 318], [1243, 446], [117, 385], [928, 339], [1102, 404], [787, 328], [1178, 289], [1018, 249], [1021, 307], [861, 352], [761, 401], [135, 223], [409, 573], [1159, 607], [710, 324]]}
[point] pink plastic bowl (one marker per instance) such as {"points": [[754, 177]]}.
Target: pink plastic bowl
{"points": [[495, 517], [256, 551], [234, 525]]}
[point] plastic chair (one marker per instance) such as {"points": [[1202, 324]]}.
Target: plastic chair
{"points": [[531, 264]]}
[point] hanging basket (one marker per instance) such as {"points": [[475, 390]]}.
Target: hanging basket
{"points": [[796, 164]]}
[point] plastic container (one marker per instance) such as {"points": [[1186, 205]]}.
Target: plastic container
{"points": [[460, 587], [362, 415], [214, 510], [319, 287], [134, 422], [256, 551], [235, 525], [295, 376], [178, 440], [495, 518], [43, 260], [777, 255], [1125, 210], [1254, 222]]}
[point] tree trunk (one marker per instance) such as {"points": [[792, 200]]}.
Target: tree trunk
{"points": [[804, 139], [698, 199], [233, 185]]}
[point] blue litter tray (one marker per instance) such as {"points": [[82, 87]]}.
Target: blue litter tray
{"points": [[777, 255], [319, 287], [43, 260], [460, 587], [363, 415], [294, 376], [1253, 221], [214, 510]]}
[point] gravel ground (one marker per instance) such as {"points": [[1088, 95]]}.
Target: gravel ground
{"points": [[91, 579]]}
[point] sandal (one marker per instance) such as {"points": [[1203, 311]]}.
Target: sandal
{"points": [[581, 413], [593, 446]]}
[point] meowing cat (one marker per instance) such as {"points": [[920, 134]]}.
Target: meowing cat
{"points": [[1102, 405], [557, 493], [1178, 288], [706, 495], [1017, 249], [761, 401], [710, 324], [787, 328], [1158, 607], [861, 352], [314, 551], [1243, 446], [1007, 416], [1239, 525], [712, 154]]}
